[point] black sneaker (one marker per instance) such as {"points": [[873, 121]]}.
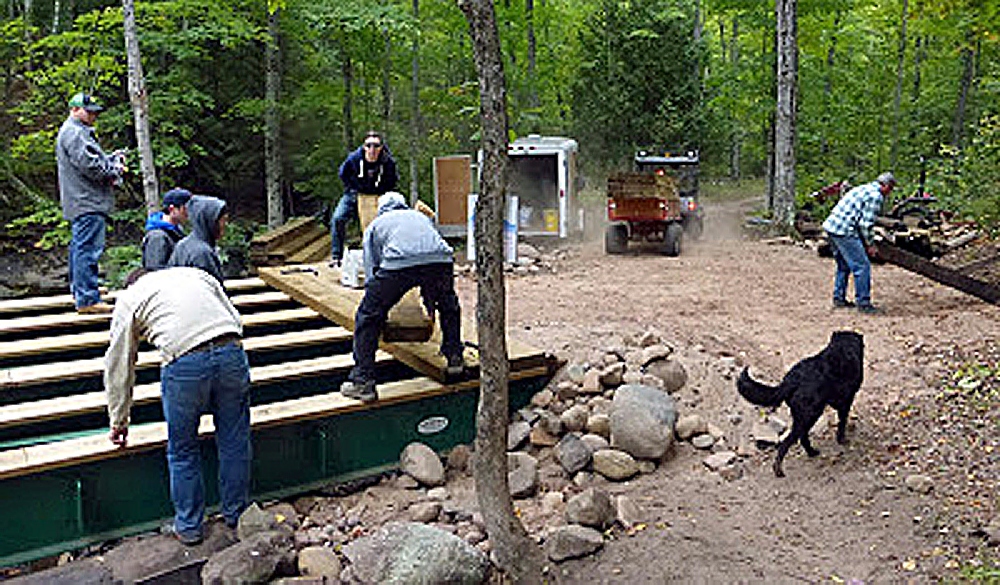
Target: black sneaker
{"points": [[456, 365], [185, 538], [842, 304], [870, 310], [363, 391]]}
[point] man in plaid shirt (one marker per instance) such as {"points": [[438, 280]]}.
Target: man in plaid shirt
{"points": [[849, 229]]}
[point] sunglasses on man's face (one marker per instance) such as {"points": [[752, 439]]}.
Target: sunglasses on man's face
{"points": [[373, 145]]}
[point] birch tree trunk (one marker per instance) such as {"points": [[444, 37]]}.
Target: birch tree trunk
{"points": [[784, 129], [518, 556], [533, 100], [140, 109], [272, 120], [897, 100], [968, 71], [415, 117]]}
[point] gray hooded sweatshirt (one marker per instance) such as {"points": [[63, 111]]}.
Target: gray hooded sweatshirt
{"points": [[400, 237], [86, 174], [197, 249]]}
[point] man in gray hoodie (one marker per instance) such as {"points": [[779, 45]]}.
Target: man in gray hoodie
{"points": [[207, 217], [402, 250], [86, 175]]}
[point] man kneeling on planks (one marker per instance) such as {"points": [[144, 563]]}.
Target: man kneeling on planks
{"points": [[402, 250], [185, 313]]}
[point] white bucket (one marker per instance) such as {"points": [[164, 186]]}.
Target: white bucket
{"points": [[352, 269]]}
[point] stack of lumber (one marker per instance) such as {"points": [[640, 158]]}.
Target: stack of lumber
{"points": [[300, 240], [641, 186]]}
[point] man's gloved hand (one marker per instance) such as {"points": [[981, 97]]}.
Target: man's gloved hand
{"points": [[119, 436]]}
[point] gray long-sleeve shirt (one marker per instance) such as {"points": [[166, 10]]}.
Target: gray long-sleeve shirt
{"points": [[86, 173]]}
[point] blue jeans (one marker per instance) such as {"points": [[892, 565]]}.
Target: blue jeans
{"points": [[215, 380], [85, 249], [437, 287], [346, 210], [852, 258]]}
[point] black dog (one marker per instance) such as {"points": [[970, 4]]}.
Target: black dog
{"points": [[833, 376]]}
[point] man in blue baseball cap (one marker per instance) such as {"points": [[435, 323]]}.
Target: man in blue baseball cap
{"points": [[163, 229], [86, 176]]}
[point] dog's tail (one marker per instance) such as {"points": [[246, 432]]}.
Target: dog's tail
{"points": [[760, 394]]}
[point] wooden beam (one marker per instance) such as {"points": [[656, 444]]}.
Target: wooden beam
{"points": [[43, 323], [65, 302], [145, 437], [62, 371], [318, 286], [14, 415]]}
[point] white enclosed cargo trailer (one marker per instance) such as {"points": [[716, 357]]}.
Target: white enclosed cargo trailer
{"points": [[542, 175]]}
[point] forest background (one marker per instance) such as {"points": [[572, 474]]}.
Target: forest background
{"points": [[881, 84]]}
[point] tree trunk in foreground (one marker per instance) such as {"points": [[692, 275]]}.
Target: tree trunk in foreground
{"points": [[272, 121], [517, 555], [140, 109], [784, 128]]}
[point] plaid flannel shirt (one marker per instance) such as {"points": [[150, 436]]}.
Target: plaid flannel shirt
{"points": [[854, 214]]}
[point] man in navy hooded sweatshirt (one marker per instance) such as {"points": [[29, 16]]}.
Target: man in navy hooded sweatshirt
{"points": [[163, 229], [370, 170], [208, 219]]}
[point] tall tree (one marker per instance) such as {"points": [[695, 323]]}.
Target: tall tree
{"points": [[519, 557], [272, 116], [784, 129], [897, 100], [415, 115], [140, 108]]}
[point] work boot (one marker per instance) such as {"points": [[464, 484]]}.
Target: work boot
{"points": [[363, 391], [99, 308], [870, 309], [456, 364], [842, 304]]}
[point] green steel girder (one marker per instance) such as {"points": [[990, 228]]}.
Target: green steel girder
{"points": [[70, 507]]}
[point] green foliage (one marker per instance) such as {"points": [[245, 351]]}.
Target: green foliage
{"points": [[984, 570], [46, 217], [118, 262]]}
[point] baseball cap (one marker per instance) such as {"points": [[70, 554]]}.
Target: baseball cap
{"points": [[85, 101], [886, 178], [177, 197]]}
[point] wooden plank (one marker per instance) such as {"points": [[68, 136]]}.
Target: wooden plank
{"points": [[40, 458], [14, 415], [97, 339], [314, 252], [452, 186], [937, 273], [293, 246], [57, 372], [55, 302], [282, 233], [42, 323], [319, 287], [367, 210]]}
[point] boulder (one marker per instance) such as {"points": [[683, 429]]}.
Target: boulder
{"points": [[572, 453], [614, 464], [690, 425], [575, 418], [517, 434], [642, 421], [671, 372], [320, 561], [254, 560], [591, 507], [422, 464], [522, 474], [573, 541], [415, 553]]}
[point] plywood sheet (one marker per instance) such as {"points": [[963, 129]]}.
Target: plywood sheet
{"points": [[452, 185]]}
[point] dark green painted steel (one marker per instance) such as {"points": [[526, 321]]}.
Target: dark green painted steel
{"points": [[70, 507]]}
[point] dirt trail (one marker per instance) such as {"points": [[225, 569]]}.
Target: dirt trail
{"points": [[845, 515]]}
